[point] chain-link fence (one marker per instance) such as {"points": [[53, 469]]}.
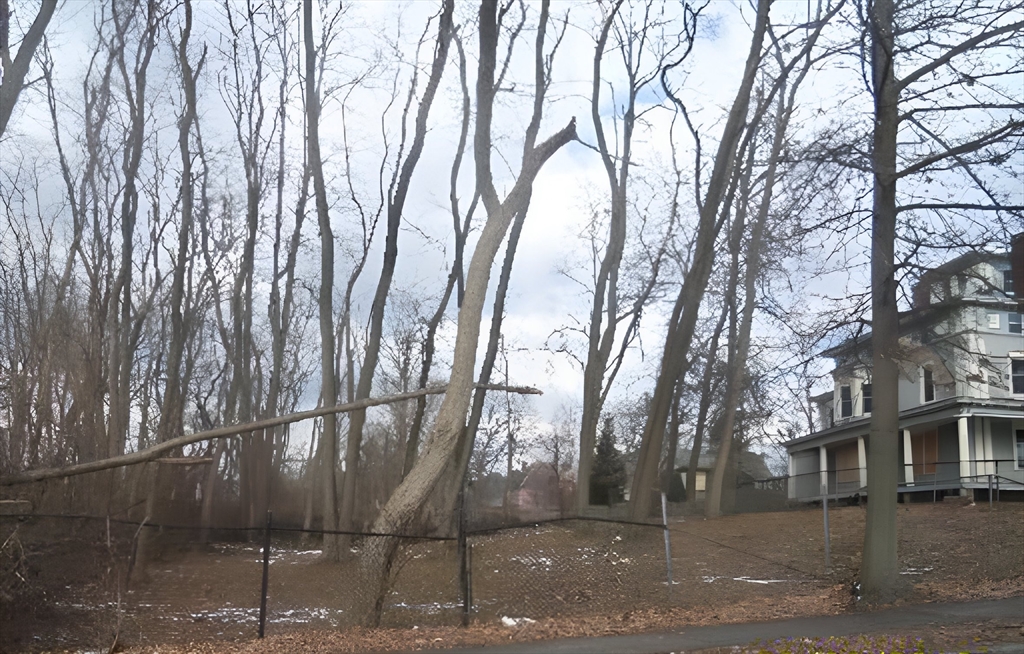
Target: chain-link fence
{"points": [[72, 574], [73, 580]]}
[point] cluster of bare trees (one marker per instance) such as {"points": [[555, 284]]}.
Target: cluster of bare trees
{"points": [[161, 269]]}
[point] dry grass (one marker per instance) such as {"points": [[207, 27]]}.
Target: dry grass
{"points": [[573, 580]]}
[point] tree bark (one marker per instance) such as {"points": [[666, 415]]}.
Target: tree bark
{"points": [[328, 380], [880, 567]]}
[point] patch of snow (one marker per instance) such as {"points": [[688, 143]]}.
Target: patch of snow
{"points": [[916, 571], [430, 608], [515, 622]]}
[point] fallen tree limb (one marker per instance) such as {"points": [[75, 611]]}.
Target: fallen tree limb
{"points": [[150, 453]]}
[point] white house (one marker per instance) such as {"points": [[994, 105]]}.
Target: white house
{"points": [[961, 390]]}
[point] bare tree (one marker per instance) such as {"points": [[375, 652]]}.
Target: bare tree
{"points": [[785, 91], [935, 76], [328, 379], [644, 51], [16, 69], [684, 313], [397, 194], [441, 453]]}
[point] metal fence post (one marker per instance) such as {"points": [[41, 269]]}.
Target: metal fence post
{"points": [[668, 542], [828, 543], [266, 574], [990, 492], [465, 586]]}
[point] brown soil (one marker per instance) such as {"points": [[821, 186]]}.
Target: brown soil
{"points": [[572, 579]]}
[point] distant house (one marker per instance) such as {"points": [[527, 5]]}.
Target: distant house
{"points": [[961, 390], [539, 491], [751, 468]]}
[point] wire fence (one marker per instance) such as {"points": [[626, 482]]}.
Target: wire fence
{"points": [[82, 574], [71, 575]]}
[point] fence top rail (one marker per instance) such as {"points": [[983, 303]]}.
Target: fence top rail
{"points": [[547, 521], [335, 532]]}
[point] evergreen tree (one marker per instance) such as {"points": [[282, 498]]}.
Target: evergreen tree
{"points": [[609, 472]]}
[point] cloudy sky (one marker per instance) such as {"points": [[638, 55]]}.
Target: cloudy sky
{"points": [[377, 43]]}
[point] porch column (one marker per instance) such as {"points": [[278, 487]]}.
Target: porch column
{"points": [[862, 462], [965, 449], [979, 447], [791, 482], [823, 466], [908, 458], [990, 466]]}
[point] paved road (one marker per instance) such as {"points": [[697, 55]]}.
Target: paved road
{"points": [[691, 638]]}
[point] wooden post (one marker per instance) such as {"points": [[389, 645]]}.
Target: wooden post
{"points": [[266, 574]]}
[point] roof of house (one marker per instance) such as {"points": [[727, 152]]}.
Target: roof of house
{"points": [[920, 316], [704, 461], [751, 463]]}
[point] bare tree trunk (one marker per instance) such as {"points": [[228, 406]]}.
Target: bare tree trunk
{"points": [[738, 362], [455, 281], [669, 464], [120, 312], [468, 437], [328, 380], [171, 411], [606, 288], [880, 567], [684, 314], [635, 43], [15, 70], [396, 205], [170, 424], [707, 388], [440, 455], [279, 309]]}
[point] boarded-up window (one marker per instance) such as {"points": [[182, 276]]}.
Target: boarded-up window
{"points": [[924, 448], [847, 464]]}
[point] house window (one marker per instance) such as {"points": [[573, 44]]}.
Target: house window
{"points": [[924, 448], [1008, 282], [865, 390], [929, 386], [1020, 449], [845, 402], [1017, 375], [1013, 323], [993, 321]]}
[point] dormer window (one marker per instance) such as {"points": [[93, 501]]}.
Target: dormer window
{"points": [[1017, 376], [865, 390], [929, 386], [993, 321], [1008, 282], [845, 402]]}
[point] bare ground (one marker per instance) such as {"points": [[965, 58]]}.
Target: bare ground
{"points": [[571, 580]]}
